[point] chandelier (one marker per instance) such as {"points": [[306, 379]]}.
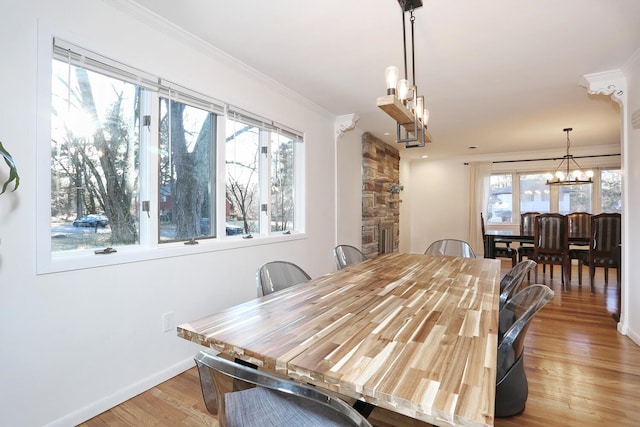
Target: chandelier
{"points": [[402, 102], [564, 175]]}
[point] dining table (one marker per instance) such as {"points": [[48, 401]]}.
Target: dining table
{"points": [[493, 236], [411, 333]]}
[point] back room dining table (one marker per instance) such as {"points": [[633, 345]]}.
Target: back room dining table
{"points": [[414, 334]]}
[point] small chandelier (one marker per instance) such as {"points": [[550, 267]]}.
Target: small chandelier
{"points": [[402, 102], [566, 176]]}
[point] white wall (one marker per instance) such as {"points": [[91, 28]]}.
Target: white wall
{"points": [[631, 226], [73, 344], [437, 190], [349, 188]]}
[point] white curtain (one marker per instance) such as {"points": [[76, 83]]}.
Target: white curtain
{"points": [[479, 180]]}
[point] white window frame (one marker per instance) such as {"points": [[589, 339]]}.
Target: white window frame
{"points": [[149, 247]]}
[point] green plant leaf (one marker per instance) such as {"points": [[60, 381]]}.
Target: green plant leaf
{"points": [[13, 170]]}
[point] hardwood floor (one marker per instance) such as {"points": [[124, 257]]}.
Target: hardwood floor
{"points": [[581, 372]]}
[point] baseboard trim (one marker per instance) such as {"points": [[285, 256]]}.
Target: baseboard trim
{"points": [[87, 412], [631, 334]]}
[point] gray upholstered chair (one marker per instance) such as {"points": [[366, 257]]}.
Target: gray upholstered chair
{"points": [[276, 275], [241, 396], [512, 388], [511, 281], [451, 247], [346, 255]]}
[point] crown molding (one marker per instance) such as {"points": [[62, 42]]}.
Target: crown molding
{"points": [[345, 123], [613, 83]]}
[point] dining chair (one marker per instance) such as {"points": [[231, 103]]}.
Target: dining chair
{"points": [[502, 251], [512, 388], [345, 255], [579, 227], [276, 275], [526, 229], [551, 243], [604, 245], [451, 247], [241, 396], [513, 279]]}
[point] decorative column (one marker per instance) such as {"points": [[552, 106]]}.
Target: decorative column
{"points": [[614, 84]]}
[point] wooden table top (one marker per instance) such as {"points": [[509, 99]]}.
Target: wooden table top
{"points": [[415, 334]]}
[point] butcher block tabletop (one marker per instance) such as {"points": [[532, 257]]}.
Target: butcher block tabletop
{"points": [[412, 333]]}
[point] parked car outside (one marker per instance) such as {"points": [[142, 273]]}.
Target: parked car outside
{"points": [[231, 230], [92, 220]]}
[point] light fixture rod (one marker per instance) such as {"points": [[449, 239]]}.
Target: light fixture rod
{"points": [[404, 44], [412, 18]]}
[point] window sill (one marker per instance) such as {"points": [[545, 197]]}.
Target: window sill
{"points": [[78, 260]]}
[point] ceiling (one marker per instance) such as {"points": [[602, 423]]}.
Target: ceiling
{"points": [[499, 75]]}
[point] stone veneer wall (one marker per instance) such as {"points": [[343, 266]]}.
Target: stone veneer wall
{"points": [[380, 170]]}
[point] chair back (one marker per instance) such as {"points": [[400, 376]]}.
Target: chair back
{"points": [[510, 282], [451, 247], [482, 225], [241, 395], [550, 235], [514, 322], [345, 255], [579, 224], [605, 238], [276, 275], [527, 223]]}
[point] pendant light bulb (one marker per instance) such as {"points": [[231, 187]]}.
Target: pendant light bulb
{"points": [[391, 75]]}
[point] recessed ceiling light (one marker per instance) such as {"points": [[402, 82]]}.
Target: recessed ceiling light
{"points": [[424, 156], [387, 134]]}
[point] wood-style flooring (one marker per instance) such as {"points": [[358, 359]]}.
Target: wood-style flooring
{"points": [[581, 372]]}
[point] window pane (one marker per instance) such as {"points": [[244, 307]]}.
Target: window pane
{"points": [[187, 141], [94, 159], [611, 196], [500, 199], [534, 193], [575, 198], [282, 197], [242, 183]]}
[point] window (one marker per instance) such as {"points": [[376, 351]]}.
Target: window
{"points": [[134, 163], [282, 180], [574, 198], [604, 195], [187, 145], [500, 199], [611, 190], [534, 193], [243, 175], [260, 178], [94, 159]]}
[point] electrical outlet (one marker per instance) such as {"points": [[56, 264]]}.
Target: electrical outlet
{"points": [[167, 322]]}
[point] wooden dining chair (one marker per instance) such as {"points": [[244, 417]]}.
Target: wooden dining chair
{"points": [[502, 250], [603, 245], [345, 255], [551, 244], [579, 227], [526, 229], [276, 275], [241, 396]]}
